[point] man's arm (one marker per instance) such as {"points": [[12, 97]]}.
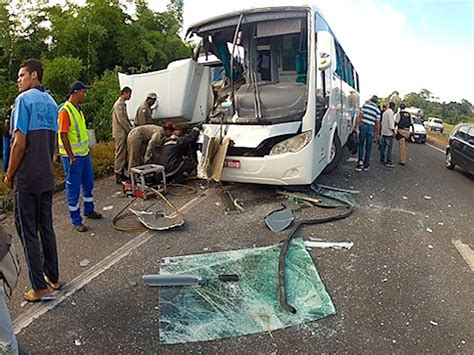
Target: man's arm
{"points": [[67, 148], [122, 118], [16, 156]]}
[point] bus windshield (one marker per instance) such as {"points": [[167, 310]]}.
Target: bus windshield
{"points": [[263, 57]]}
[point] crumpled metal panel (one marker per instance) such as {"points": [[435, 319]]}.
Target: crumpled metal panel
{"points": [[157, 220], [250, 305]]}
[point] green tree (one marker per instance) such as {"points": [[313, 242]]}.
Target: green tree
{"points": [[59, 73]]}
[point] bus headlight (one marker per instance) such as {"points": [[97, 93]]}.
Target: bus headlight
{"points": [[293, 144]]}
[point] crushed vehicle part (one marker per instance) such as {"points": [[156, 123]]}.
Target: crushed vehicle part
{"points": [[231, 205], [280, 219], [171, 280], [158, 220]]}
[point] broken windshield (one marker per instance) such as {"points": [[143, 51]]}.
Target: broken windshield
{"points": [[262, 76]]}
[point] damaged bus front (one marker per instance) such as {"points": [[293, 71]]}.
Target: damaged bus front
{"points": [[285, 95]]}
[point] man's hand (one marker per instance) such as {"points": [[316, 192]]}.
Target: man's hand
{"points": [[7, 181], [72, 160]]}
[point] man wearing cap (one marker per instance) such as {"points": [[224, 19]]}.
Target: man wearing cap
{"points": [[143, 115], [120, 128], [403, 122], [75, 154], [368, 126]]}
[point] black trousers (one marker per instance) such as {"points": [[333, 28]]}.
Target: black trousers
{"points": [[34, 224]]}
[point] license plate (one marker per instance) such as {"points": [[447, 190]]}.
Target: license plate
{"points": [[232, 164]]}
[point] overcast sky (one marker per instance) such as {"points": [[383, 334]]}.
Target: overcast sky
{"points": [[404, 45]]}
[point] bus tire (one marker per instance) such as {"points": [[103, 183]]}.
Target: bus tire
{"points": [[336, 145]]}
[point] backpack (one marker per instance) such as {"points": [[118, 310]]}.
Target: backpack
{"points": [[9, 263]]}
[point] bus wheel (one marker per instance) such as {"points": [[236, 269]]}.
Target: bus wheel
{"points": [[335, 155]]}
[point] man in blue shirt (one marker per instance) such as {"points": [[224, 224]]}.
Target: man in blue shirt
{"points": [[368, 126], [30, 173]]}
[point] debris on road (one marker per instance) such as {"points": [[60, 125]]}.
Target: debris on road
{"points": [[430, 246], [77, 342], [158, 220], [108, 208], [132, 282], [433, 323], [429, 230], [337, 189], [280, 219], [84, 263], [317, 243], [440, 224], [427, 197], [231, 204], [404, 197]]}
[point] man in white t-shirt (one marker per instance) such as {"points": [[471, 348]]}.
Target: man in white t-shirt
{"points": [[387, 136]]}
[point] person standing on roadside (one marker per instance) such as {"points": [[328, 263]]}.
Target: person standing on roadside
{"points": [[144, 111], [368, 126], [30, 173], [75, 154], [120, 128], [403, 122], [387, 136], [7, 137]]}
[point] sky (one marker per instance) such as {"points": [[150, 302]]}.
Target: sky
{"points": [[404, 45]]}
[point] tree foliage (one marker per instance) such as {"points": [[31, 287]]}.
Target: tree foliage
{"points": [[87, 42]]}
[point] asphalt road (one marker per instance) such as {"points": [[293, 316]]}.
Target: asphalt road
{"points": [[403, 287]]}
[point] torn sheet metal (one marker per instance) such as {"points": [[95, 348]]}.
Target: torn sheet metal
{"points": [[250, 305], [158, 220], [326, 244], [279, 220]]}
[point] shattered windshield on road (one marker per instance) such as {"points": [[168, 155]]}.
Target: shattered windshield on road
{"points": [[220, 309]]}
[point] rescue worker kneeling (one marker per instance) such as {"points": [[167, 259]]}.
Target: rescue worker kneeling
{"points": [[141, 142], [172, 155], [75, 154]]}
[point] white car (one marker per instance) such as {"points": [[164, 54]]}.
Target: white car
{"points": [[418, 131], [434, 124]]}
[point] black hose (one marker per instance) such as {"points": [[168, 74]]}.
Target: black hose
{"points": [[284, 248]]}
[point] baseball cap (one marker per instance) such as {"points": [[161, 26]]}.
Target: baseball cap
{"points": [[152, 95], [76, 86], [375, 99]]}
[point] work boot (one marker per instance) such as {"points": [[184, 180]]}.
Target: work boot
{"points": [[80, 228], [93, 215]]}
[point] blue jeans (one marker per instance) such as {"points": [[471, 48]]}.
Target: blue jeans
{"points": [[8, 343], [366, 137], [77, 175], [386, 146], [6, 152]]}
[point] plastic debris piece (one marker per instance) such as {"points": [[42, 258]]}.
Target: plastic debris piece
{"points": [[430, 246], [405, 198], [433, 323], [108, 208], [77, 342], [429, 230], [440, 224], [279, 220], [371, 197], [84, 263], [427, 197], [48, 298], [158, 220], [385, 280], [326, 244], [92, 234], [132, 282], [205, 249], [118, 192]]}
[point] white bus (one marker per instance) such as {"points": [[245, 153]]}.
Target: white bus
{"points": [[288, 96], [288, 107]]}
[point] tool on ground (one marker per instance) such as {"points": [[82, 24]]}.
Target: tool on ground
{"points": [[145, 177], [296, 226]]}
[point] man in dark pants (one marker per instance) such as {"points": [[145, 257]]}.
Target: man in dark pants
{"points": [[30, 173], [172, 155]]}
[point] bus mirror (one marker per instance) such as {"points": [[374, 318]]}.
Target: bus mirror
{"points": [[325, 46]]}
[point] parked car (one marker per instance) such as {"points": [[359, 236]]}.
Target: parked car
{"points": [[460, 149], [418, 131], [434, 124]]}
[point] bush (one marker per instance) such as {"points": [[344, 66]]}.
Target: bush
{"points": [[100, 101]]}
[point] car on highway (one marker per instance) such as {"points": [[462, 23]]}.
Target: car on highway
{"points": [[460, 149], [418, 131], [434, 124]]}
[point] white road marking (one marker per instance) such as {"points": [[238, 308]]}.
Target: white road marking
{"points": [[436, 148], [38, 309], [466, 252]]}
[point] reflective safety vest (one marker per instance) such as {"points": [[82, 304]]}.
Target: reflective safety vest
{"points": [[77, 134]]}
